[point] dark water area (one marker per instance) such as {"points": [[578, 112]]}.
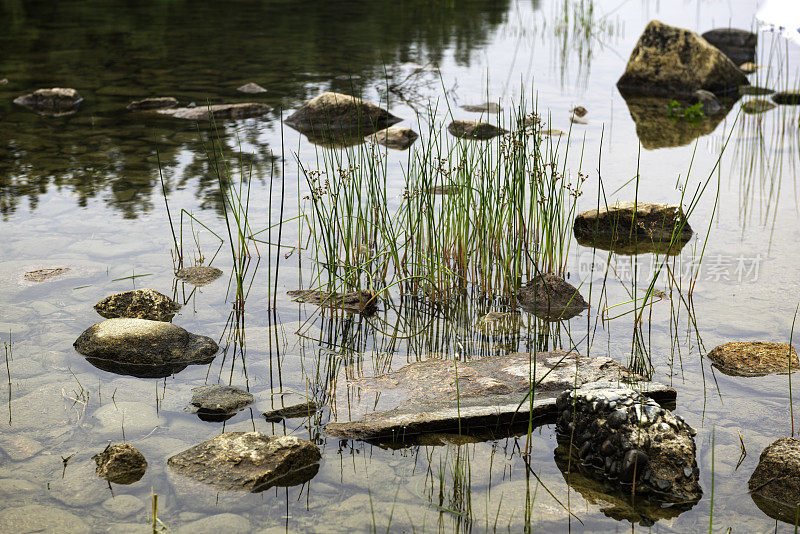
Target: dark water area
{"points": [[84, 192]]}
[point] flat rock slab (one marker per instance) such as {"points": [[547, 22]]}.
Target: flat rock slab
{"points": [[775, 483], [474, 130], [147, 349], [245, 110], [40, 275], [217, 402], [490, 393], [486, 107], [249, 461], [138, 304], [199, 275], [364, 302], [149, 104], [300, 409], [754, 358]]}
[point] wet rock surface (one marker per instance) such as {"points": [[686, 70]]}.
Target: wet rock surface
{"points": [[251, 88], [56, 101], [199, 275], [149, 104], [674, 61], [757, 105], [217, 402], [617, 435], [143, 348], [754, 358], [775, 483], [474, 130], [40, 275], [306, 408], [787, 98], [550, 297], [364, 302], [218, 112], [337, 111], [394, 137], [249, 461], [633, 228], [426, 397], [486, 107], [120, 463], [138, 304], [738, 45]]}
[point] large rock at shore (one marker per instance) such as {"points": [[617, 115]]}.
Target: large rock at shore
{"points": [[218, 403], [480, 131], [550, 297], [634, 228], [249, 461], [120, 463], [138, 304], [674, 61], [218, 112], [754, 358], [336, 111], [775, 483], [475, 397], [143, 348], [738, 45], [55, 101], [616, 435]]}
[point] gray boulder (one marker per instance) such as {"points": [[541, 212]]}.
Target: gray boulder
{"points": [[754, 358], [336, 111], [634, 228], [394, 137], [617, 435], [159, 102], [120, 463], [56, 101], [218, 112], [474, 130], [138, 304], [217, 402], [550, 297], [673, 61], [199, 275], [249, 461], [738, 45], [143, 348], [775, 483]]}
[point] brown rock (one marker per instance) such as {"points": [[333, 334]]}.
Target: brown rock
{"points": [[337, 111], [300, 409], [57, 101], [550, 297], [41, 275], [775, 483], [674, 61], [754, 358], [249, 461], [159, 102], [120, 463], [474, 130], [138, 304], [394, 137]]}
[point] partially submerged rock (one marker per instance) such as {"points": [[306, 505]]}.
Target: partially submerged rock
{"points": [[617, 435], [634, 228], [550, 297], [251, 88], [138, 304], [775, 483], [364, 302], [249, 461], [337, 111], [149, 104], [120, 463], [489, 394], [40, 275], [499, 324], [218, 112], [787, 98], [474, 130], [394, 137], [143, 348], [757, 105], [218, 403], [673, 61], [579, 111], [754, 358], [199, 275], [305, 408], [57, 101], [738, 45], [486, 107]]}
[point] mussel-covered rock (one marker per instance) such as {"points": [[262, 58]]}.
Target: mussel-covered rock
{"points": [[775, 483], [631, 228], [550, 297], [674, 61], [138, 304], [249, 461], [143, 348], [617, 435], [55, 101], [120, 463], [754, 358], [336, 111]]}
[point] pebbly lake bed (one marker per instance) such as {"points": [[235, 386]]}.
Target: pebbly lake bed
{"points": [[99, 194]]}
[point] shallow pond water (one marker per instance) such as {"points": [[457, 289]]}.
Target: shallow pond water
{"points": [[84, 192]]}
